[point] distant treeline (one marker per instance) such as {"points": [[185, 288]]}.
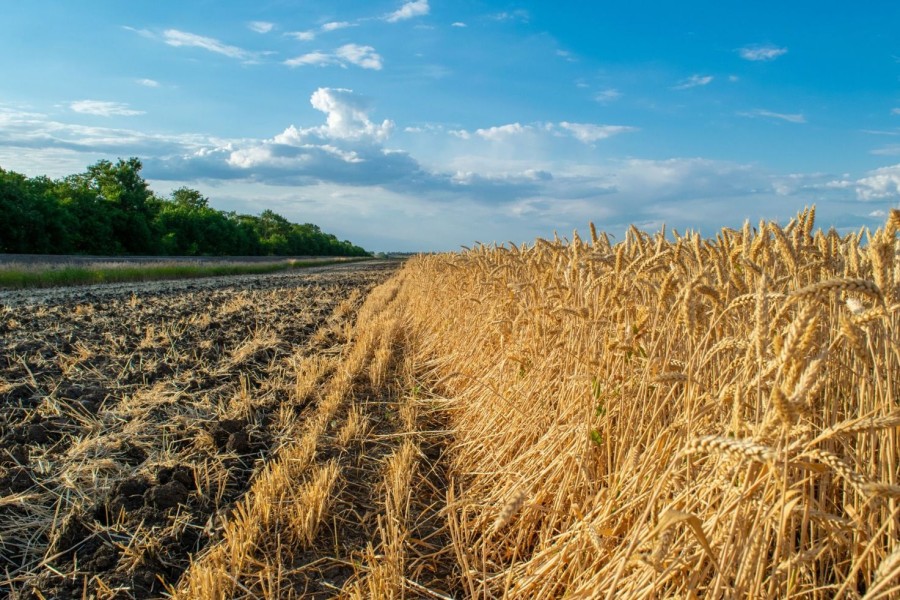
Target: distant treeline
{"points": [[110, 210]]}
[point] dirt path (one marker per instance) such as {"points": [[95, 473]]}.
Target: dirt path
{"points": [[94, 293], [136, 415]]}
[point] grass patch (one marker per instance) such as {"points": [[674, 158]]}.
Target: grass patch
{"points": [[40, 276]]}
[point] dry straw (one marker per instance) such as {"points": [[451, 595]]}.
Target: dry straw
{"points": [[752, 437]]}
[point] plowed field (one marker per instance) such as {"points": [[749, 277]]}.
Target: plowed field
{"points": [[135, 416]]}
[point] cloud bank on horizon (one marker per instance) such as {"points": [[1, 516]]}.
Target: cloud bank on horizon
{"points": [[426, 126]]}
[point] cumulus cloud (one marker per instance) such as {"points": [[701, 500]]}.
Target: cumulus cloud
{"points": [[347, 115], [694, 81], [761, 52], [409, 10], [151, 83], [348, 150], [361, 56], [364, 57], [458, 24], [879, 184], [174, 37], [261, 26], [101, 108], [768, 114], [589, 132]]}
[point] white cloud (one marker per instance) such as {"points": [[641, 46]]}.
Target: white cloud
{"points": [[144, 33], [348, 149], [589, 133], [880, 183], [335, 25], [790, 118], [347, 115], [151, 83], [261, 26], [316, 58], [895, 111], [458, 24], [503, 132], [409, 10], [694, 81], [838, 184], [609, 95], [310, 34], [761, 52], [583, 132], [174, 37], [362, 56], [48, 141], [812, 185], [342, 160], [104, 109]]}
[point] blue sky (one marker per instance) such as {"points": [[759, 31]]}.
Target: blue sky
{"points": [[427, 125]]}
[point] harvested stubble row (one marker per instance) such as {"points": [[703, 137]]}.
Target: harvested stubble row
{"points": [[335, 513], [669, 416]]}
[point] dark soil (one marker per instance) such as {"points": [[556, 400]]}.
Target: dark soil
{"points": [[134, 417]]}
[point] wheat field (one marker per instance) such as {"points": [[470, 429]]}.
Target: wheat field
{"points": [[667, 417]]}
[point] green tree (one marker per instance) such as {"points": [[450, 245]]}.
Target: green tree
{"points": [[130, 203], [32, 219], [191, 199], [91, 229]]}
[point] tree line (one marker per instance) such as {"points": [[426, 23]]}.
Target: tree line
{"points": [[110, 210]]}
